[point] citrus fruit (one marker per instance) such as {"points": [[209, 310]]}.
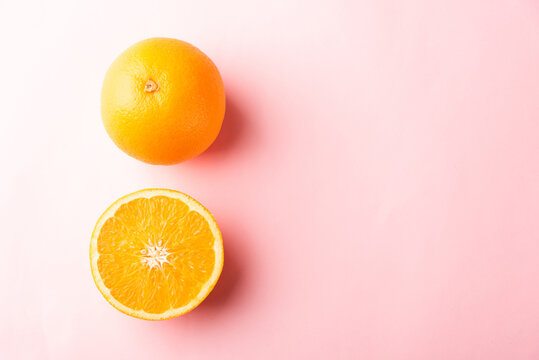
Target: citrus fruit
{"points": [[156, 254], [163, 101]]}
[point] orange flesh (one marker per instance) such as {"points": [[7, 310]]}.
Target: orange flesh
{"points": [[155, 254]]}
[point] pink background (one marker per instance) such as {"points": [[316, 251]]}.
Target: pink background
{"points": [[376, 179]]}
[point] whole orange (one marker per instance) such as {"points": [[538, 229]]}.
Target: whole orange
{"points": [[163, 101]]}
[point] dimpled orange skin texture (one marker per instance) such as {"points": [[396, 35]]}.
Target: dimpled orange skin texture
{"points": [[163, 101]]}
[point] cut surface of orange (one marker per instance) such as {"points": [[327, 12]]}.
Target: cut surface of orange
{"points": [[156, 254]]}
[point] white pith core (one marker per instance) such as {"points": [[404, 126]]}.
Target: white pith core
{"points": [[154, 255]]}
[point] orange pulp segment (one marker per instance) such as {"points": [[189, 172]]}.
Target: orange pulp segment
{"points": [[156, 254]]}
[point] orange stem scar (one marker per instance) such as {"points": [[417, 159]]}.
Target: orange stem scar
{"points": [[150, 86]]}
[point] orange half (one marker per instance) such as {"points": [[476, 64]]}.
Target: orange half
{"points": [[156, 254]]}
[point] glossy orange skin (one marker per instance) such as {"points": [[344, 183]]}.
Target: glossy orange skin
{"points": [[163, 101]]}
